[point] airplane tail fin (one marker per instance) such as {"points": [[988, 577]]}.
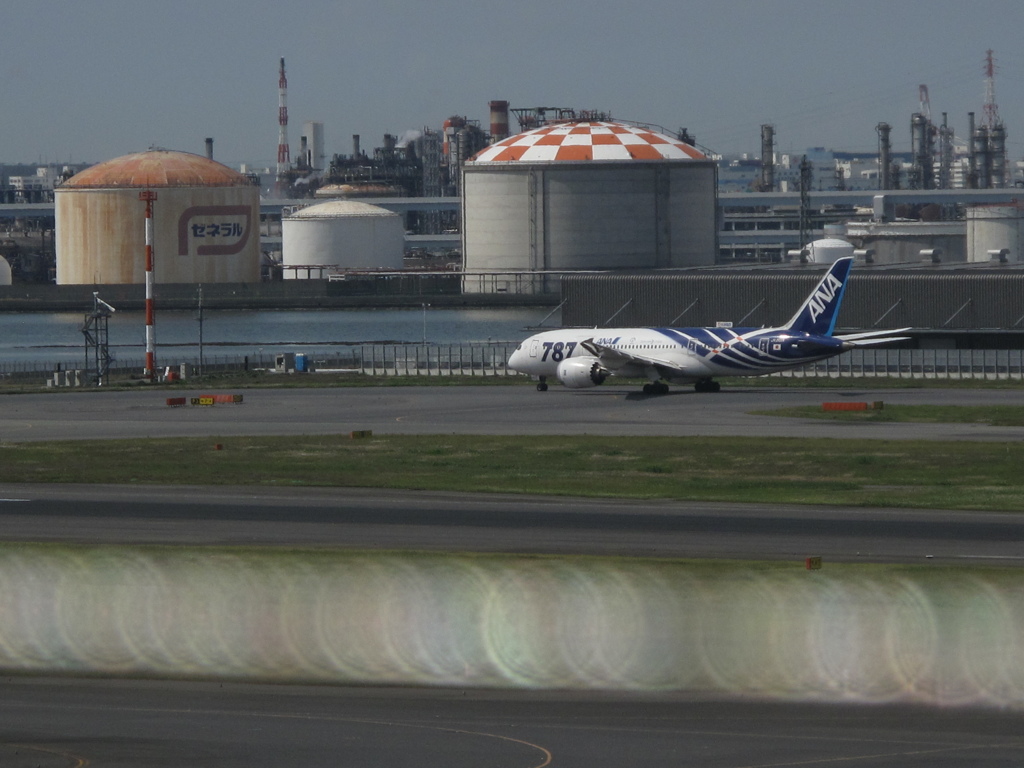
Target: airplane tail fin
{"points": [[818, 313]]}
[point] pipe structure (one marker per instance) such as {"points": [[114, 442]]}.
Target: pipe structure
{"points": [[149, 196], [997, 153], [983, 157], [884, 148]]}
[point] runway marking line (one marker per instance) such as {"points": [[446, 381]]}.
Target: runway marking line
{"points": [[76, 760], [858, 758], [820, 761], [548, 757]]}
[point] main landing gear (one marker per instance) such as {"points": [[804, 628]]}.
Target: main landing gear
{"points": [[542, 384], [707, 385], [656, 388]]}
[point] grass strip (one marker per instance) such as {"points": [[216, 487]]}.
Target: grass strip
{"points": [[949, 475], [320, 559], [992, 415]]}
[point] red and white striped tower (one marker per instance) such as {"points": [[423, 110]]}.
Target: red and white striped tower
{"points": [[283, 153], [148, 196]]}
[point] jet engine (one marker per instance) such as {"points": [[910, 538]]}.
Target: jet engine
{"points": [[581, 372]]}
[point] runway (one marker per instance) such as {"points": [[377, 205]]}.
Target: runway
{"points": [[52, 722], [361, 519], [70, 721]]}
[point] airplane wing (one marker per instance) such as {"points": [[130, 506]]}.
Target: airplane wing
{"points": [[614, 359]]}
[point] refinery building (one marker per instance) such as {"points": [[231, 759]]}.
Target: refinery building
{"points": [[568, 206]]}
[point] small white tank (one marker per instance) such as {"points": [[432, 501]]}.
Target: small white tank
{"points": [[5, 272], [829, 250], [340, 235], [994, 229]]}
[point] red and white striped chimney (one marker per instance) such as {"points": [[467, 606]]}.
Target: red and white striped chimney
{"points": [[499, 120], [283, 153]]}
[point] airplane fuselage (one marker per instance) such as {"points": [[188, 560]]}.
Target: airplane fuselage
{"points": [[678, 355], [583, 357]]}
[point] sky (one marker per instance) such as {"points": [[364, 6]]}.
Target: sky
{"points": [[88, 80]]}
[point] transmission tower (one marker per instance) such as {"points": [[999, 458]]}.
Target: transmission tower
{"points": [[922, 140], [945, 154], [994, 126], [97, 340]]}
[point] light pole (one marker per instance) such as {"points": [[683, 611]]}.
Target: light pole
{"points": [[200, 319]]}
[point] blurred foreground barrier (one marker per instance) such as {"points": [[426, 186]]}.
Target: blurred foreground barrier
{"points": [[847, 634]]}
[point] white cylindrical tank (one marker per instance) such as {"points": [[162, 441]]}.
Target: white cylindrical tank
{"points": [[994, 228], [340, 235], [205, 222], [588, 195], [5, 272], [829, 250]]}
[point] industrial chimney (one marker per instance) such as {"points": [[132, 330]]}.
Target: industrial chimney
{"points": [[767, 158], [499, 120], [884, 150]]}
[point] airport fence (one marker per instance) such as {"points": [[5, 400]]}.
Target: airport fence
{"points": [[491, 360], [372, 359], [951, 364]]}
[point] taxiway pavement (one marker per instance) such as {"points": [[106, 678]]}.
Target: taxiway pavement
{"points": [[511, 410]]}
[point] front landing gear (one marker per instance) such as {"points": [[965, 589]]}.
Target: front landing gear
{"points": [[656, 388], [707, 385], [542, 384]]}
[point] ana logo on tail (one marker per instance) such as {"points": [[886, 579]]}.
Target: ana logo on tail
{"points": [[818, 313], [821, 298]]}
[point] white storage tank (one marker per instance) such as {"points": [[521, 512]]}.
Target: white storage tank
{"points": [[205, 222], [829, 250], [588, 195], [5, 272], [340, 235], [994, 232]]}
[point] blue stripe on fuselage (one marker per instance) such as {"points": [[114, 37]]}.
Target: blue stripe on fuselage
{"points": [[739, 349], [710, 344]]}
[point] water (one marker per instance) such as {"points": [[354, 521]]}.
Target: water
{"points": [[49, 337]]}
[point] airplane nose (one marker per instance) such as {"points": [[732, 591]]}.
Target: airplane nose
{"points": [[514, 360]]}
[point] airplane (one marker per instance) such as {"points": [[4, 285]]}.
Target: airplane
{"points": [[579, 358]]}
